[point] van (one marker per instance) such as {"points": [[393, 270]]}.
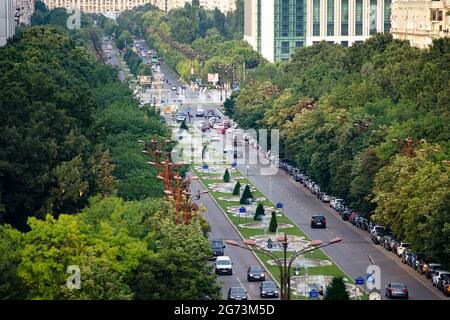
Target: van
{"points": [[224, 265]]}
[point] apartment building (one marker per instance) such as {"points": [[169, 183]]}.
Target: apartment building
{"points": [[420, 22], [275, 28]]}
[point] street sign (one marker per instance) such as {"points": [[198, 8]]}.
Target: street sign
{"points": [[359, 281], [313, 293], [279, 205], [242, 210]]}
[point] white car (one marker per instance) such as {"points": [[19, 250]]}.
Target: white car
{"points": [[334, 202], [215, 139], [224, 265], [326, 198], [437, 275], [401, 248], [173, 88]]}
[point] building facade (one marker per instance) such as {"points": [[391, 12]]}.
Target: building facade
{"points": [[8, 20], [117, 6], [420, 22], [25, 10], [275, 28]]}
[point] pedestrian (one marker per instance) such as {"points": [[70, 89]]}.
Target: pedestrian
{"points": [[321, 293]]}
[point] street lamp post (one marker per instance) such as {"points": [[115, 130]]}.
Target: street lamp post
{"points": [[284, 265]]}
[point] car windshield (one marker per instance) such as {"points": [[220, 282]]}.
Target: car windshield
{"points": [[398, 286], [318, 217], [216, 244], [223, 262], [256, 270], [269, 285], [237, 291]]}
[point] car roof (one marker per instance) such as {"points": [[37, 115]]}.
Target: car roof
{"points": [[223, 258]]}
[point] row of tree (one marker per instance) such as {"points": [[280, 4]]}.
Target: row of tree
{"points": [[69, 143], [370, 124], [191, 39]]}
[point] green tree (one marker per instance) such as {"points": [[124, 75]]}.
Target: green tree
{"points": [[259, 212], [246, 195], [237, 189], [273, 226], [104, 176], [336, 290], [226, 176]]}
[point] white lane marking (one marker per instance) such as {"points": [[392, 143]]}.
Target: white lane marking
{"points": [[242, 285]]}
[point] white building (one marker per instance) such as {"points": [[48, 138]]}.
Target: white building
{"points": [[275, 28], [8, 21], [420, 21], [117, 6]]}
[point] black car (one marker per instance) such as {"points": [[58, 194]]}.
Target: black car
{"points": [[268, 289], [377, 236], [217, 247], [237, 293], [318, 221], [345, 215], [443, 281], [256, 273]]}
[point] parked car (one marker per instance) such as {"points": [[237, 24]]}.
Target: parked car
{"points": [[386, 241], [181, 117], [376, 236], [442, 282], [396, 290], [377, 228], [215, 139], [446, 287], [217, 248], [224, 265], [430, 268], [256, 273], [346, 215], [334, 202], [406, 255], [402, 247], [237, 293], [437, 275], [362, 223], [353, 217], [318, 221], [173, 88], [419, 261], [268, 289]]}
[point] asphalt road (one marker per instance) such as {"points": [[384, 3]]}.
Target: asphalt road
{"points": [[299, 204], [221, 228], [351, 254]]}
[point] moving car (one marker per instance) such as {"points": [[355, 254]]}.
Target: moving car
{"points": [[237, 293], [318, 221], [224, 265], [217, 247], [256, 273], [268, 289], [396, 290], [173, 88], [200, 112]]}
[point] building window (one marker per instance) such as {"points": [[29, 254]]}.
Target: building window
{"points": [[436, 15], [316, 17], [299, 44], [299, 18], [387, 15], [359, 17], [344, 18], [330, 17], [285, 18], [373, 17], [285, 47], [344, 43]]}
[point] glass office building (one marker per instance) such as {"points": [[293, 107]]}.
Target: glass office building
{"points": [[277, 27]]}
